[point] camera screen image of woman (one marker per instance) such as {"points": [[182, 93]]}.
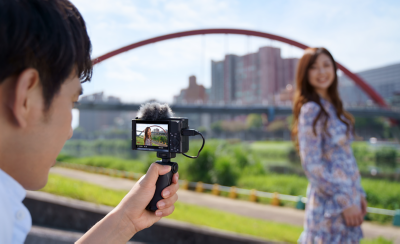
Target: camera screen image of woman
{"points": [[147, 137]]}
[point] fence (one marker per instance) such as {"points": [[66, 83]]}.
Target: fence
{"points": [[233, 191]]}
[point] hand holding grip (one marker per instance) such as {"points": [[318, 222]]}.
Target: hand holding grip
{"points": [[162, 182]]}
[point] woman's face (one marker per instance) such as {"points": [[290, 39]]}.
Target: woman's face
{"points": [[321, 73], [148, 132]]}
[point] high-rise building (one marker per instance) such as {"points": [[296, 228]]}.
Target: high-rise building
{"points": [[251, 79], [385, 80], [194, 94], [217, 82]]}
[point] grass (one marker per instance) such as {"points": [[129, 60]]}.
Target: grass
{"points": [[380, 193], [130, 165], [76, 189], [193, 214]]}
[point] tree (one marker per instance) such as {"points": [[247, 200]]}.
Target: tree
{"points": [[254, 121]]}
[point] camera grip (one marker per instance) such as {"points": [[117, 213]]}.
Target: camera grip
{"points": [[163, 181]]}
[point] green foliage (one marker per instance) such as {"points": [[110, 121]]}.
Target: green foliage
{"points": [[386, 157], [107, 162], [183, 212], [379, 240], [243, 164], [159, 138], [285, 184], [85, 148], [241, 156], [216, 126], [201, 168], [382, 194], [293, 156], [254, 121], [226, 173], [201, 216]]}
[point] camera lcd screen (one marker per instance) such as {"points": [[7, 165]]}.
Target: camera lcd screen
{"points": [[152, 136]]}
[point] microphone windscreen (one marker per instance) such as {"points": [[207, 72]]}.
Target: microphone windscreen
{"points": [[155, 111]]}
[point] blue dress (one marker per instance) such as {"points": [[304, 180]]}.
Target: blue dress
{"points": [[334, 179]]}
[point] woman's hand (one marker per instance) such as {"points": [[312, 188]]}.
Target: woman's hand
{"points": [[353, 216], [364, 205], [130, 215]]}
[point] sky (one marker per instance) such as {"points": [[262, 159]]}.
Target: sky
{"points": [[142, 127], [360, 35]]}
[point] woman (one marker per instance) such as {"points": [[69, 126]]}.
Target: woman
{"points": [[147, 137], [323, 132]]}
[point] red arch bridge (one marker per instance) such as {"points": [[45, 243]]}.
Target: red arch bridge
{"points": [[235, 110]]}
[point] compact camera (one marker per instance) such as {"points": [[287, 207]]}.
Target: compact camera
{"points": [[157, 131], [161, 136]]}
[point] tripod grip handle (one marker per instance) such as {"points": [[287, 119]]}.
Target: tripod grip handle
{"points": [[163, 181]]}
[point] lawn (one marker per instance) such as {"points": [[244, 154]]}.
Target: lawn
{"points": [[193, 214]]}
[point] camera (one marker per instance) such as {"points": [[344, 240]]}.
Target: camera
{"points": [[155, 130], [161, 136]]}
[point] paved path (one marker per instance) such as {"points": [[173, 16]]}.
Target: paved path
{"points": [[249, 209]]}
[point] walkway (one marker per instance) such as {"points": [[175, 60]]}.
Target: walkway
{"points": [[249, 209]]}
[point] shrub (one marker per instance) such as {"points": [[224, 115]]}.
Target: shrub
{"points": [[293, 156], [386, 157], [201, 168], [225, 171]]}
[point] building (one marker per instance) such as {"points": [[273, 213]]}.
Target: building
{"points": [[194, 94], [251, 79], [91, 121], [385, 80]]}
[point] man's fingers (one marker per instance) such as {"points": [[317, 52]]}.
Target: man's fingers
{"points": [[152, 174], [166, 203], [175, 178], [165, 212], [170, 190]]}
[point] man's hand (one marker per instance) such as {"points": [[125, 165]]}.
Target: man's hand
{"points": [[130, 215], [134, 203], [364, 205], [353, 216]]}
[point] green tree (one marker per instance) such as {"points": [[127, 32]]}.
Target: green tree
{"points": [[225, 171], [201, 168], [216, 126], [254, 121]]}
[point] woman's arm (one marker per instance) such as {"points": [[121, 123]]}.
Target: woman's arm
{"points": [[130, 216], [334, 182]]}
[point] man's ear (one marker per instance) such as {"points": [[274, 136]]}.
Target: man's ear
{"points": [[27, 85]]}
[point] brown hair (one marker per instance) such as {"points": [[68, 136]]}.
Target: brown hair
{"points": [[49, 36], [305, 93], [145, 134]]}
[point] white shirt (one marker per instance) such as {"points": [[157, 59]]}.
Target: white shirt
{"points": [[15, 219]]}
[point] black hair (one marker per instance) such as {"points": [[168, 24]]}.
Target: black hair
{"points": [[47, 35]]}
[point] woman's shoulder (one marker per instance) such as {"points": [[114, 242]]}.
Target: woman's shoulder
{"points": [[310, 108]]}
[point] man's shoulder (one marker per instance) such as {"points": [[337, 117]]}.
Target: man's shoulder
{"points": [[6, 215]]}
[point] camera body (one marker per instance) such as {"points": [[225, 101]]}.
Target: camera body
{"points": [[160, 135]]}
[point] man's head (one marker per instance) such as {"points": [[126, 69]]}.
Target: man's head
{"points": [[44, 57]]}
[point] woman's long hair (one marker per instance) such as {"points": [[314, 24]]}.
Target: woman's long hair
{"points": [[145, 134], [305, 93]]}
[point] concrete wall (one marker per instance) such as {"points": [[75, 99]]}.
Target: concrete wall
{"points": [[63, 213]]}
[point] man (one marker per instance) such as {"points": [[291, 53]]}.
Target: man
{"points": [[44, 57]]}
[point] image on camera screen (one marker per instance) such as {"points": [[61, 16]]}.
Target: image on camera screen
{"points": [[152, 136]]}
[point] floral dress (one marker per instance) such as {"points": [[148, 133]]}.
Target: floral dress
{"points": [[333, 174]]}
